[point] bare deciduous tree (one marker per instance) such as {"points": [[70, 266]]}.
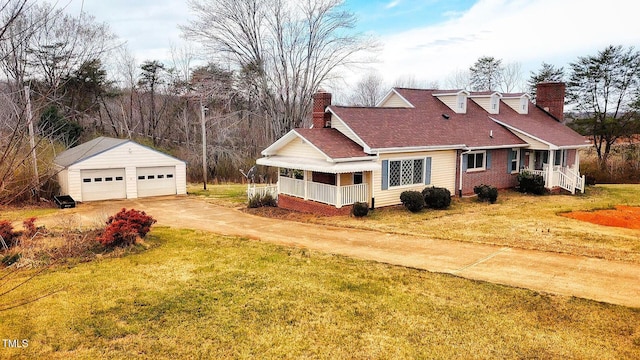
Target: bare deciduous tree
{"points": [[286, 48], [511, 78], [459, 79], [368, 91]]}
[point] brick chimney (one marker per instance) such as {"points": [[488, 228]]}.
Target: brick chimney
{"points": [[550, 97], [321, 100]]}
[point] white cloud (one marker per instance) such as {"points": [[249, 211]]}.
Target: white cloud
{"points": [[525, 31], [392, 4]]}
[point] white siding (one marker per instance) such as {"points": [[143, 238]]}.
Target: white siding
{"points": [[452, 102], [486, 103], [395, 101], [63, 180], [533, 143], [517, 104], [443, 174], [132, 155], [340, 126], [299, 148]]}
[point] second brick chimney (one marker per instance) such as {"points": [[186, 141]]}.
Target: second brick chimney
{"points": [[550, 97], [321, 100]]}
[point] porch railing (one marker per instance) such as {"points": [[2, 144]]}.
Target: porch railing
{"points": [[323, 193], [562, 177], [354, 193], [290, 186], [262, 190]]}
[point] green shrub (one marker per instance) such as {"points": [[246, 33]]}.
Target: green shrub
{"points": [[531, 183], [360, 209], [258, 200], [412, 200], [486, 193], [436, 197]]}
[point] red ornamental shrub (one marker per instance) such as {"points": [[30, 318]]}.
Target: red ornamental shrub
{"points": [[6, 231], [124, 227], [29, 227]]}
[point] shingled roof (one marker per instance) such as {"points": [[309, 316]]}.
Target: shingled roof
{"points": [[332, 143], [430, 123], [87, 150]]}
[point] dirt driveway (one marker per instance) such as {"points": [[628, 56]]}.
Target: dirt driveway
{"points": [[596, 279]]}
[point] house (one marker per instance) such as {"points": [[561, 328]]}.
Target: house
{"points": [[416, 138], [107, 168]]}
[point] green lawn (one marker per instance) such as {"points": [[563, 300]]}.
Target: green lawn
{"points": [[19, 214], [232, 195], [199, 295]]}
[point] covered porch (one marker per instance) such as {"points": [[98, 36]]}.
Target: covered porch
{"points": [[337, 184], [559, 168]]}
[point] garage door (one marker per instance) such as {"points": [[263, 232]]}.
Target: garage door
{"points": [[103, 184], [154, 181]]}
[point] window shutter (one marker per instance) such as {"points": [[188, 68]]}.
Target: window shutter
{"points": [[509, 161], [488, 164], [427, 175], [465, 159], [385, 174]]}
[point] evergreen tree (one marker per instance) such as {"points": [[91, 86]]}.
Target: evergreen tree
{"points": [[546, 73], [605, 87], [486, 74]]}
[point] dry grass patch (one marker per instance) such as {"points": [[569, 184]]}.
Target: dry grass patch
{"points": [[516, 220], [198, 295]]}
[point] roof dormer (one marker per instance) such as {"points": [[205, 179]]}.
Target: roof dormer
{"points": [[489, 101], [456, 100], [518, 102], [394, 99]]}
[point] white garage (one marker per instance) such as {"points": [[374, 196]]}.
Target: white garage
{"points": [[107, 168]]}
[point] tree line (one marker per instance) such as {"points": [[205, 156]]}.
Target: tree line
{"points": [[69, 78]]}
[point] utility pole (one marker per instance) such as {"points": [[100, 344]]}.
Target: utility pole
{"points": [[203, 110], [32, 141]]}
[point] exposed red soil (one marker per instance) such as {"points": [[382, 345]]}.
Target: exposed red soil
{"points": [[622, 216]]}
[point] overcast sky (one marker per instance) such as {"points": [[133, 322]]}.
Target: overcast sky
{"points": [[425, 39]]}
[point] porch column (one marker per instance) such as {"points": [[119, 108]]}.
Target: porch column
{"points": [[278, 182], [576, 163], [550, 166], [338, 192], [305, 178]]}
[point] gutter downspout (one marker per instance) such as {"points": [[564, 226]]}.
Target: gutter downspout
{"points": [[461, 171]]}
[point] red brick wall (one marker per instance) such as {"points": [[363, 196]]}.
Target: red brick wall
{"points": [[551, 95], [571, 157], [495, 176], [320, 102], [312, 207]]}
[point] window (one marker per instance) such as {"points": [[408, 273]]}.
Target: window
{"points": [[118, 178], [141, 177], [87, 180], [169, 176], [357, 178], [108, 179], [97, 179], [560, 158], [151, 177], [160, 176], [475, 160], [406, 172], [514, 160]]}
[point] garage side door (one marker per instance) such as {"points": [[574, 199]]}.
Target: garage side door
{"points": [[103, 184], [155, 181]]}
